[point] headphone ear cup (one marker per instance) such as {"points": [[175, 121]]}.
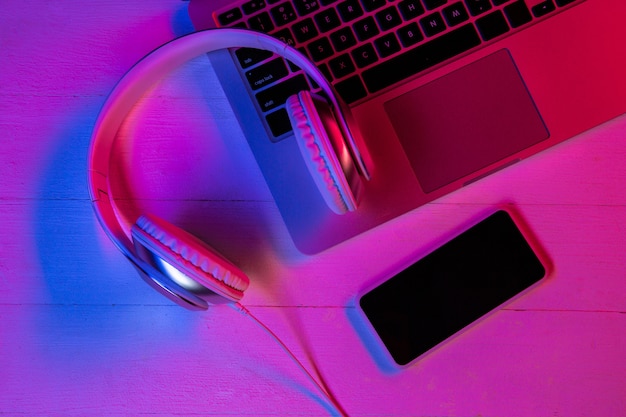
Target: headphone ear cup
{"points": [[204, 271], [324, 150]]}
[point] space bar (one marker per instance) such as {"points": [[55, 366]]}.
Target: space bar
{"points": [[421, 58]]}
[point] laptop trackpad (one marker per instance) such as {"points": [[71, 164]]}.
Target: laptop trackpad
{"points": [[466, 120]]}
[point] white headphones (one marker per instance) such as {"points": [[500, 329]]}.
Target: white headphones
{"points": [[175, 263]]}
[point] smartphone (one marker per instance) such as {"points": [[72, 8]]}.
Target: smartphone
{"points": [[451, 287]]}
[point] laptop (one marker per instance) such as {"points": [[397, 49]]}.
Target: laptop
{"points": [[445, 92]]}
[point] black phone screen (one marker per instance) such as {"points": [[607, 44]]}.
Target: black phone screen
{"points": [[451, 287]]}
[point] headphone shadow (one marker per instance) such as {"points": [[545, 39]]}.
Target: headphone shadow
{"points": [[79, 263], [88, 282]]}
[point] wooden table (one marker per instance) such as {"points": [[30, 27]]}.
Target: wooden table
{"points": [[81, 334]]}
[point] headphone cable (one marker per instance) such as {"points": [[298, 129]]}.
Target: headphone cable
{"points": [[321, 386]]}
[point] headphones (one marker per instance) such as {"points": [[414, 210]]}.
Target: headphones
{"points": [[171, 260]]}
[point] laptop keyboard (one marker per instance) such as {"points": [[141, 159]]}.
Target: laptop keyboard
{"points": [[365, 46]]}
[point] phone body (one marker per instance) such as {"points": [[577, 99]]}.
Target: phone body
{"points": [[436, 297]]}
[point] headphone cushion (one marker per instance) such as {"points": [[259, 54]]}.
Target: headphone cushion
{"points": [[191, 256], [316, 129]]}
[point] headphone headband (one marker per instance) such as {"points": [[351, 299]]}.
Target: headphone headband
{"points": [[139, 79], [153, 67]]}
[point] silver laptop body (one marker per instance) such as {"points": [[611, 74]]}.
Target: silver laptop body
{"points": [[444, 92]]}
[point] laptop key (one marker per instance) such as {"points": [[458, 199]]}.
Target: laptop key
{"points": [[267, 73], [325, 71], [304, 30], [283, 14], [388, 18], [410, 34], [492, 25], [432, 24], [276, 95], [387, 45], [518, 14], [278, 122], [351, 89], [371, 5], [304, 7], [477, 7], [433, 4], [327, 20], [366, 28], [343, 39], [349, 10], [364, 55], [261, 22], [410, 9], [229, 16], [253, 6], [285, 36], [455, 14], [250, 56], [320, 49], [543, 8], [341, 66], [421, 58]]}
